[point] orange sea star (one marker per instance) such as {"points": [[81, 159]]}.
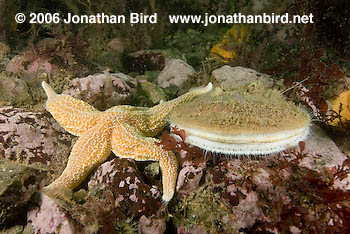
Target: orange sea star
{"points": [[128, 131]]}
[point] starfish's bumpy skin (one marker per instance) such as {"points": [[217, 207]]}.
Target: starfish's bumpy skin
{"points": [[125, 130]]}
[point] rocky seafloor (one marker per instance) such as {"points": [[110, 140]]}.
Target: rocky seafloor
{"points": [[305, 189]]}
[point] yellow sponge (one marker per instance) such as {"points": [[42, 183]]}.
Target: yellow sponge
{"points": [[226, 49]]}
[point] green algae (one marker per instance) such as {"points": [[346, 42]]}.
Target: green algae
{"points": [[153, 92], [203, 207], [152, 169], [24, 90], [14, 91], [127, 226], [18, 182], [80, 196], [193, 45]]}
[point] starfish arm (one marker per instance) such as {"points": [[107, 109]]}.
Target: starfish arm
{"points": [[158, 114], [128, 142], [74, 115], [90, 150]]}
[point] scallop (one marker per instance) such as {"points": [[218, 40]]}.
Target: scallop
{"points": [[251, 120]]}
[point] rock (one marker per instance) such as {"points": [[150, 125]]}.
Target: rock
{"points": [[50, 55], [189, 177], [322, 151], [13, 91], [4, 49], [278, 192], [109, 60], [151, 225], [239, 198], [258, 192], [176, 72], [103, 90], [116, 45], [259, 6], [192, 229], [17, 229], [16, 64], [32, 137], [28, 229], [50, 218], [247, 212], [229, 78], [18, 182], [153, 92], [343, 183], [121, 177], [151, 76], [29, 62], [143, 60]]}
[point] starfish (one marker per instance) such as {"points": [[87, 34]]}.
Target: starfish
{"points": [[127, 131]]}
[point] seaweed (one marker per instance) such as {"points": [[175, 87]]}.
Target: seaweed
{"points": [[322, 81], [176, 142], [298, 198], [316, 206]]}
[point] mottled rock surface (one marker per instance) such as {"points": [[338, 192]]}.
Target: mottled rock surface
{"points": [[303, 188], [32, 136], [176, 72], [189, 177], [121, 178], [322, 149], [229, 78], [50, 218], [103, 90], [192, 229], [151, 225], [243, 202], [117, 45], [4, 49], [29, 62], [48, 55], [326, 154], [143, 60]]}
